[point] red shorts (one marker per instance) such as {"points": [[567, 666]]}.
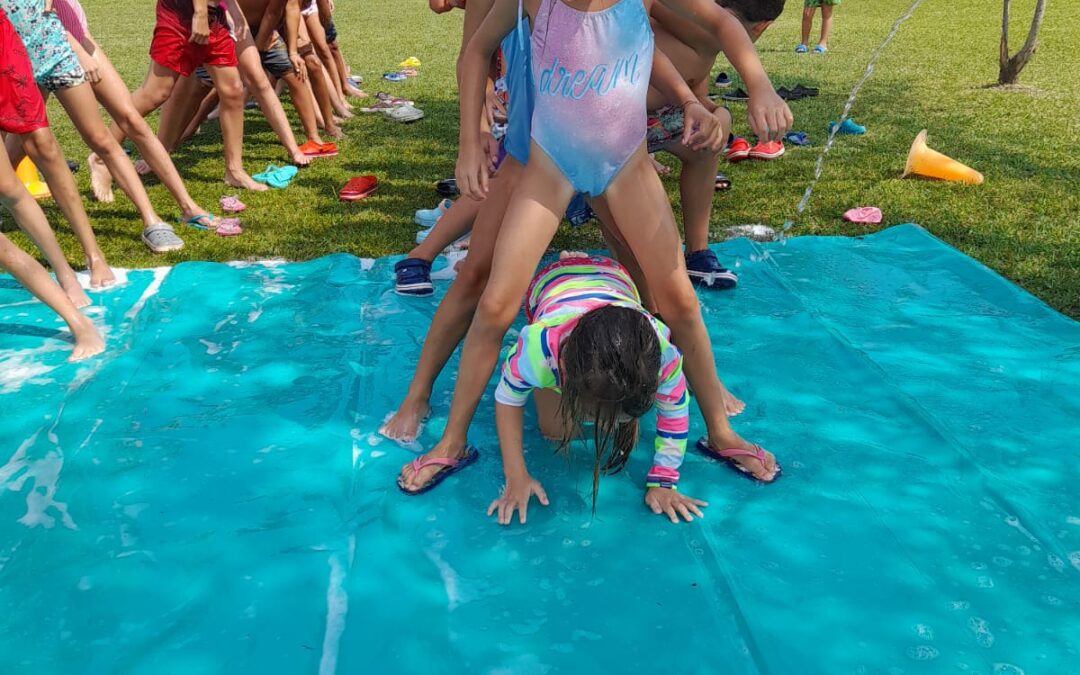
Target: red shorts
{"points": [[171, 48], [22, 109]]}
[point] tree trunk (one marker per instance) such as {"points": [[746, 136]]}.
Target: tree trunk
{"points": [[1009, 67]]}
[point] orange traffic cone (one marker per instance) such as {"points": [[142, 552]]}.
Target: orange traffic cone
{"points": [[28, 174], [923, 161]]}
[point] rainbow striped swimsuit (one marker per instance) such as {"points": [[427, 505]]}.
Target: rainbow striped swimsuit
{"points": [[557, 299]]}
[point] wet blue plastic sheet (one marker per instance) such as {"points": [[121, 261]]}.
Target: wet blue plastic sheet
{"points": [[212, 496]]}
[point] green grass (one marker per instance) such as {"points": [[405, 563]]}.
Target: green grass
{"points": [[1022, 222]]}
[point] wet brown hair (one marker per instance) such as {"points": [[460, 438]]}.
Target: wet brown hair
{"points": [[610, 369], [754, 11]]}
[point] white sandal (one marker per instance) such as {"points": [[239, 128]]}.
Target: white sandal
{"points": [[404, 113]]}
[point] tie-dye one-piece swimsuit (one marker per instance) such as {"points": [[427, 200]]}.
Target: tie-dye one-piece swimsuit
{"points": [[591, 76]]}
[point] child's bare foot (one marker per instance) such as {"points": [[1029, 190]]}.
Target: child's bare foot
{"points": [[142, 168], [87, 340], [404, 425], [764, 471], [244, 182], [572, 254], [74, 291], [355, 93], [100, 178], [732, 405], [300, 159], [335, 132], [343, 112], [101, 275], [661, 169], [414, 480]]}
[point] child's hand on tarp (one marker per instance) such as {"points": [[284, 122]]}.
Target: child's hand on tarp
{"points": [[672, 503], [516, 494]]}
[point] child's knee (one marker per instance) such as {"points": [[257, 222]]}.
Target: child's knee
{"points": [[473, 278], [230, 92], [677, 304], [808, 12], [495, 311]]}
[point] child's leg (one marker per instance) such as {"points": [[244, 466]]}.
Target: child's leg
{"points": [[304, 102], [251, 70], [343, 72], [150, 95], [45, 152], [231, 92], [638, 201], [697, 187], [33, 276], [320, 91], [455, 312], [453, 225], [826, 24], [81, 107], [113, 94], [195, 112], [532, 217], [807, 24], [29, 273], [322, 48]]}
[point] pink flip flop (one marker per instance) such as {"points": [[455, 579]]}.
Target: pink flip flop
{"points": [[728, 457], [449, 468], [867, 215], [229, 227], [232, 204]]}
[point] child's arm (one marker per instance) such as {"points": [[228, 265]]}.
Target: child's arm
{"points": [[200, 22], [326, 12], [291, 29], [672, 428], [768, 114], [475, 13], [699, 125], [275, 11], [87, 60], [238, 21], [472, 168], [510, 398]]}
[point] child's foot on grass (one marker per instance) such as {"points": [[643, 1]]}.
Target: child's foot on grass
{"points": [[142, 168], [404, 425], [100, 179], [335, 132], [661, 169], [88, 341], [765, 471], [414, 480], [300, 159], [244, 182], [355, 93]]}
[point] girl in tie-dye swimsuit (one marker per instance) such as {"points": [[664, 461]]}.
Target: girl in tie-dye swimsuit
{"points": [[591, 66]]}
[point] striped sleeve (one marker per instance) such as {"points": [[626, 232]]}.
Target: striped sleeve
{"points": [[672, 420], [525, 368]]}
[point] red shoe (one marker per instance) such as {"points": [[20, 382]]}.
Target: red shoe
{"points": [[737, 150], [358, 188], [769, 150], [313, 149]]}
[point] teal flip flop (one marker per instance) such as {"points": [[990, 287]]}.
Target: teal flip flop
{"points": [[277, 176], [200, 221]]}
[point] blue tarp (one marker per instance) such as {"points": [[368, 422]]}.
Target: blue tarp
{"points": [[212, 495]]}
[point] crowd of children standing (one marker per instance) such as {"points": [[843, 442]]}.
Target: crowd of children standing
{"points": [[590, 89]]}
